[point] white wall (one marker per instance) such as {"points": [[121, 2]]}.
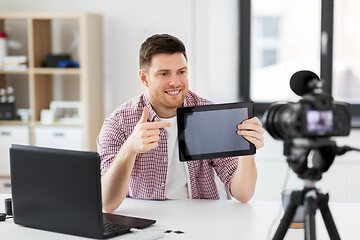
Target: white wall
{"points": [[216, 50], [209, 30]]}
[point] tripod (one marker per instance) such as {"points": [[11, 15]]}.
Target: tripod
{"points": [[312, 199], [322, 153]]}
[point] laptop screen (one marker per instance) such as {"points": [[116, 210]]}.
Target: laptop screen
{"points": [[56, 190], [60, 190]]}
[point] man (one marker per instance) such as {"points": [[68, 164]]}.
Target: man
{"points": [[137, 143]]}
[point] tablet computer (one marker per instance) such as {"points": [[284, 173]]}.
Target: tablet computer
{"points": [[206, 132]]}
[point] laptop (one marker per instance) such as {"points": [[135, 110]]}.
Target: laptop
{"points": [[60, 190]]}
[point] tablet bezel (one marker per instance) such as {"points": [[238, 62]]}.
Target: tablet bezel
{"points": [[183, 157]]}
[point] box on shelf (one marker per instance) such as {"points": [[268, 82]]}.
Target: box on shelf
{"points": [[67, 111]]}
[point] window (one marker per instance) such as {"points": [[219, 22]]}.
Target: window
{"points": [[269, 57], [346, 68], [266, 35], [285, 36]]}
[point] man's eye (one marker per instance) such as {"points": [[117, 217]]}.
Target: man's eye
{"points": [[163, 74], [182, 72]]}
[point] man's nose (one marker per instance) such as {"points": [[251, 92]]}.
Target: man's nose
{"points": [[174, 81]]}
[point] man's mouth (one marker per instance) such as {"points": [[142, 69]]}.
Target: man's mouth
{"points": [[173, 93]]}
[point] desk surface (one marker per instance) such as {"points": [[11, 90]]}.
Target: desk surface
{"points": [[206, 219]]}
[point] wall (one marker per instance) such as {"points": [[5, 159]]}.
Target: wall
{"points": [[209, 30], [126, 26], [202, 25], [216, 50]]}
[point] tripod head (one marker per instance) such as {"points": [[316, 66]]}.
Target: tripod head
{"points": [[309, 158]]}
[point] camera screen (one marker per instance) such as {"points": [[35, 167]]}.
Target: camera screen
{"points": [[319, 121]]}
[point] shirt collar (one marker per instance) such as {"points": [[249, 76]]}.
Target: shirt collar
{"points": [[152, 114], [189, 100]]}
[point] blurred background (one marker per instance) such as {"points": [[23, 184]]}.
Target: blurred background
{"points": [[285, 37]]}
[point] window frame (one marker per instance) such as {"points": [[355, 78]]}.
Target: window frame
{"points": [[326, 56]]}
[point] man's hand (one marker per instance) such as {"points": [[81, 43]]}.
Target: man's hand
{"points": [[145, 135], [251, 129], [115, 182], [244, 179]]}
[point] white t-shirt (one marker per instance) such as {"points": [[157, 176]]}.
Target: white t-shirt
{"points": [[176, 185]]}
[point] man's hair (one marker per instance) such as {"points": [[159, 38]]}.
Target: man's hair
{"points": [[159, 43]]}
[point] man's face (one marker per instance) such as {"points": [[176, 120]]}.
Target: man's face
{"points": [[167, 81]]}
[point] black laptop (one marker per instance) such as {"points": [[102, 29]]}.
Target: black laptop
{"points": [[60, 190]]}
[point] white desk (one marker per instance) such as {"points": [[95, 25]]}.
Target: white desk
{"points": [[206, 219]]}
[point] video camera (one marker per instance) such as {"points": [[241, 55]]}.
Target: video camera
{"points": [[315, 115], [306, 127]]}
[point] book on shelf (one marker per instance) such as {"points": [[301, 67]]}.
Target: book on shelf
{"points": [[15, 68]]}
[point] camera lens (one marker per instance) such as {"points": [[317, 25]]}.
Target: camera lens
{"points": [[282, 120]]}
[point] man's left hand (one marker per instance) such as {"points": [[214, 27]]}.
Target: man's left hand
{"points": [[251, 129]]}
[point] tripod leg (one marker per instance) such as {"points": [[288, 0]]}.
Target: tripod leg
{"points": [[295, 201], [328, 219], [310, 211]]}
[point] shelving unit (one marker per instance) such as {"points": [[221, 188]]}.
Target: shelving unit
{"points": [[40, 33]]}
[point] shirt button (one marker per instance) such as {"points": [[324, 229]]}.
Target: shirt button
{"points": [[165, 159], [162, 184]]}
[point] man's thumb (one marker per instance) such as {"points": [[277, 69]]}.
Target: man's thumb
{"points": [[144, 115]]}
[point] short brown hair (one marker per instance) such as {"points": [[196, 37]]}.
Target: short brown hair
{"points": [[159, 43]]}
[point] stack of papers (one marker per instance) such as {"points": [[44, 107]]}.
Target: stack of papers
{"points": [[15, 63]]}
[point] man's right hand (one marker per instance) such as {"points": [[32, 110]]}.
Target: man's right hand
{"points": [[145, 135], [115, 182]]}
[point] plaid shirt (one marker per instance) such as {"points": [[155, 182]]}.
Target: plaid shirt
{"points": [[148, 177]]}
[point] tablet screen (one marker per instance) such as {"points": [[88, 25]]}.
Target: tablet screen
{"points": [[207, 132]]}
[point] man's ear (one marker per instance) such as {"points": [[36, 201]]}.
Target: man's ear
{"points": [[143, 77]]}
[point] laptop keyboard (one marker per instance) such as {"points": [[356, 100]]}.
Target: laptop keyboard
{"points": [[115, 227]]}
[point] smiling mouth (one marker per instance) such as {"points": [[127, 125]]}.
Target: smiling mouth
{"points": [[173, 93]]}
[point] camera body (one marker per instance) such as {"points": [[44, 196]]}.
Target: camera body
{"points": [[315, 115]]}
